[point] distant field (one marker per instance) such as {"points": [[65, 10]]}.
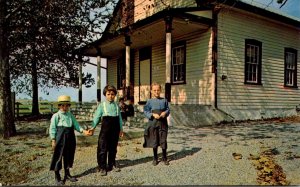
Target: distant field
{"points": [[24, 107]]}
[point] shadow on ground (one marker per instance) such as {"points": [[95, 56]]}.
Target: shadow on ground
{"points": [[172, 155], [260, 131]]}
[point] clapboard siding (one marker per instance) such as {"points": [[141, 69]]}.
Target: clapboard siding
{"points": [[198, 87], [159, 63], [233, 28]]}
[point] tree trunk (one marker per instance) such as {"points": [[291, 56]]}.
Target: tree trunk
{"points": [[35, 95], [6, 114]]}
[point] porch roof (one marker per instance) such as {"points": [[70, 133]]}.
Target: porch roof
{"points": [[149, 31], [152, 29]]}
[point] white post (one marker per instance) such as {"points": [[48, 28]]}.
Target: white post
{"points": [[127, 66], [98, 78], [80, 84], [127, 59], [168, 24], [168, 57]]}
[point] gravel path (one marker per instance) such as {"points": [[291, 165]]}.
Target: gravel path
{"points": [[200, 156]]}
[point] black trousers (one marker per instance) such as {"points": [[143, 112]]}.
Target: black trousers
{"points": [[108, 141], [64, 149]]}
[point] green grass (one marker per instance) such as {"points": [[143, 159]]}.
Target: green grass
{"points": [[25, 153]]}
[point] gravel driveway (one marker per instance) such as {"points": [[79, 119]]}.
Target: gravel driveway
{"points": [[201, 156]]}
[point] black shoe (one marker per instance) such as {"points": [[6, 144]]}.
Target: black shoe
{"points": [[58, 180], [69, 177], [154, 162], [166, 162], [102, 172], [114, 169], [60, 183]]}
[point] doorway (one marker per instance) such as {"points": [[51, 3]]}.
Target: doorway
{"points": [[144, 75]]}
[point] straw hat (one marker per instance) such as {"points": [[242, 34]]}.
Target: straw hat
{"points": [[64, 99]]}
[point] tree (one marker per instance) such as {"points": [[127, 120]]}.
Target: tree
{"points": [[36, 43], [282, 2], [43, 37], [6, 114]]}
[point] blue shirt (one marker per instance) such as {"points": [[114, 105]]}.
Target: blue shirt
{"points": [[63, 119], [107, 108], [156, 104]]}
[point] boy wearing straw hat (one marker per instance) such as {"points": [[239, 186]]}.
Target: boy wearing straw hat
{"points": [[62, 126]]}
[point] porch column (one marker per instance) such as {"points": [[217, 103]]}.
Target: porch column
{"points": [[127, 57], [98, 75], [80, 82], [214, 100], [168, 24]]}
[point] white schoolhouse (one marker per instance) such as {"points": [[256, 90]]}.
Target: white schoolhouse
{"points": [[216, 60]]}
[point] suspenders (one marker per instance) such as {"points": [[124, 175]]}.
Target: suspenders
{"points": [[59, 117], [105, 109]]}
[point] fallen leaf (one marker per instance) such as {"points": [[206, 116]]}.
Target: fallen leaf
{"points": [[32, 158], [267, 170], [137, 149], [256, 163], [296, 156], [263, 159], [237, 156], [253, 157]]}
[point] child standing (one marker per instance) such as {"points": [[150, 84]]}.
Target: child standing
{"points": [[157, 111], [111, 129], [130, 108], [123, 109], [63, 139]]}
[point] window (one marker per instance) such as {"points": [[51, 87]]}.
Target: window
{"points": [[253, 52], [178, 63], [290, 67], [121, 74]]}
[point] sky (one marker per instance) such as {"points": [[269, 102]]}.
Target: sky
{"points": [[88, 94], [291, 8]]}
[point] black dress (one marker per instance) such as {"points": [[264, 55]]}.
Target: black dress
{"points": [[156, 132]]}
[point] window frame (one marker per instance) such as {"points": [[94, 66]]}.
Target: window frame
{"points": [[174, 46], [292, 51], [254, 43]]}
